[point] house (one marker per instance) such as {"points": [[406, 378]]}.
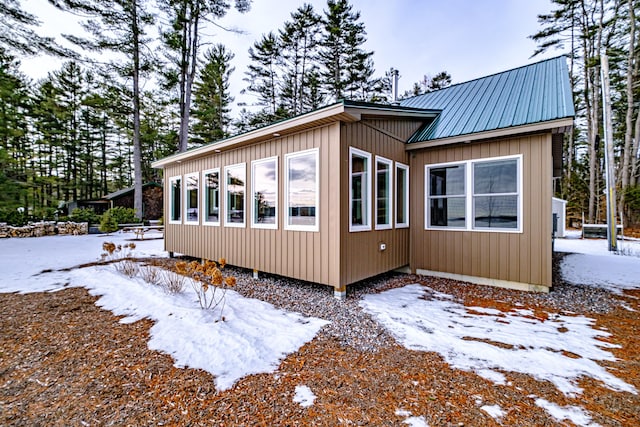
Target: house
{"points": [[151, 199], [455, 183]]}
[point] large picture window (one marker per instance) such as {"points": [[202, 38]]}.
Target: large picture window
{"points": [[383, 193], [235, 177], [175, 204], [211, 202], [264, 185], [302, 190], [475, 195], [402, 195], [359, 190], [191, 185], [495, 194]]}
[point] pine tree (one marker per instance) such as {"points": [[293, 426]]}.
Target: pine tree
{"points": [[590, 28], [17, 34], [15, 145], [262, 75], [299, 41], [119, 26], [212, 97], [347, 68], [183, 43]]}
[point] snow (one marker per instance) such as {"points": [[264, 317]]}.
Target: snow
{"points": [[572, 413], [423, 319], [416, 421], [494, 411], [590, 263], [304, 396], [253, 339], [255, 336], [410, 420]]}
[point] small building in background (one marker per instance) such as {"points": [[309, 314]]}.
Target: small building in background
{"points": [[559, 210], [152, 200]]}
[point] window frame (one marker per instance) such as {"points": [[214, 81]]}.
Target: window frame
{"points": [[469, 195], [428, 197], [406, 180], [187, 200], [226, 205], [172, 208], [205, 194], [367, 203], [287, 159], [254, 219], [518, 194], [390, 199]]}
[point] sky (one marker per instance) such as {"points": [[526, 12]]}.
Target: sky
{"points": [[467, 38]]}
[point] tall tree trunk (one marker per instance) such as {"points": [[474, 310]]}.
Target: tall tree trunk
{"points": [[189, 79], [137, 152], [593, 73], [628, 135], [634, 178]]}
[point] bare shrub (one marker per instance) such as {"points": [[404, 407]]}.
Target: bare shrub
{"points": [[208, 282], [172, 282], [121, 255], [127, 267], [150, 274]]}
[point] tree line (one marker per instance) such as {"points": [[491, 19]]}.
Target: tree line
{"points": [[588, 29], [91, 127], [95, 125]]}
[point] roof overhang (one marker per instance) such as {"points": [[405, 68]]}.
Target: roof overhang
{"points": [[343, 111], [554, 126]]}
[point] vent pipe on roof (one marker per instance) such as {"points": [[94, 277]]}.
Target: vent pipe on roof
{"points": [[395, 76]]}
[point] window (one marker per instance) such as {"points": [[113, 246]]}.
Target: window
{"points": [[302, 192], [176, 194], [360, 206], [495, 194], [235, 186], [447, 200], [402, 195], [211, 202], [475, 195], [264, 184], [191, 199], [383, 193]]}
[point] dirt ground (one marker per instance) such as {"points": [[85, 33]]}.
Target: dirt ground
{"points": [[66, 362]]}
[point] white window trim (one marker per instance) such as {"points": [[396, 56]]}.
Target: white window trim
{"points": [[287, 158], [185, 201], [520, 187], [242, 224], [390, 199], [365, 227], [254, 219], [171, 181], [406, 198], [427, 210], [468, 194], [204, 197]]}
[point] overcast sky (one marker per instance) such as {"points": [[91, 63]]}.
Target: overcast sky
{"points": [[467, 38]]}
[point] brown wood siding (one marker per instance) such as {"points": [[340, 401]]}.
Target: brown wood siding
{"points": [[305, 255], [363, 258], [518, 257]]}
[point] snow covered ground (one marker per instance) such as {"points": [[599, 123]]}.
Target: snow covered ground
{"points": [[590, 262], [255, 336]]}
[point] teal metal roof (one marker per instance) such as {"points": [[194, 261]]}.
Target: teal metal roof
{"points": [[531, 94]]}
